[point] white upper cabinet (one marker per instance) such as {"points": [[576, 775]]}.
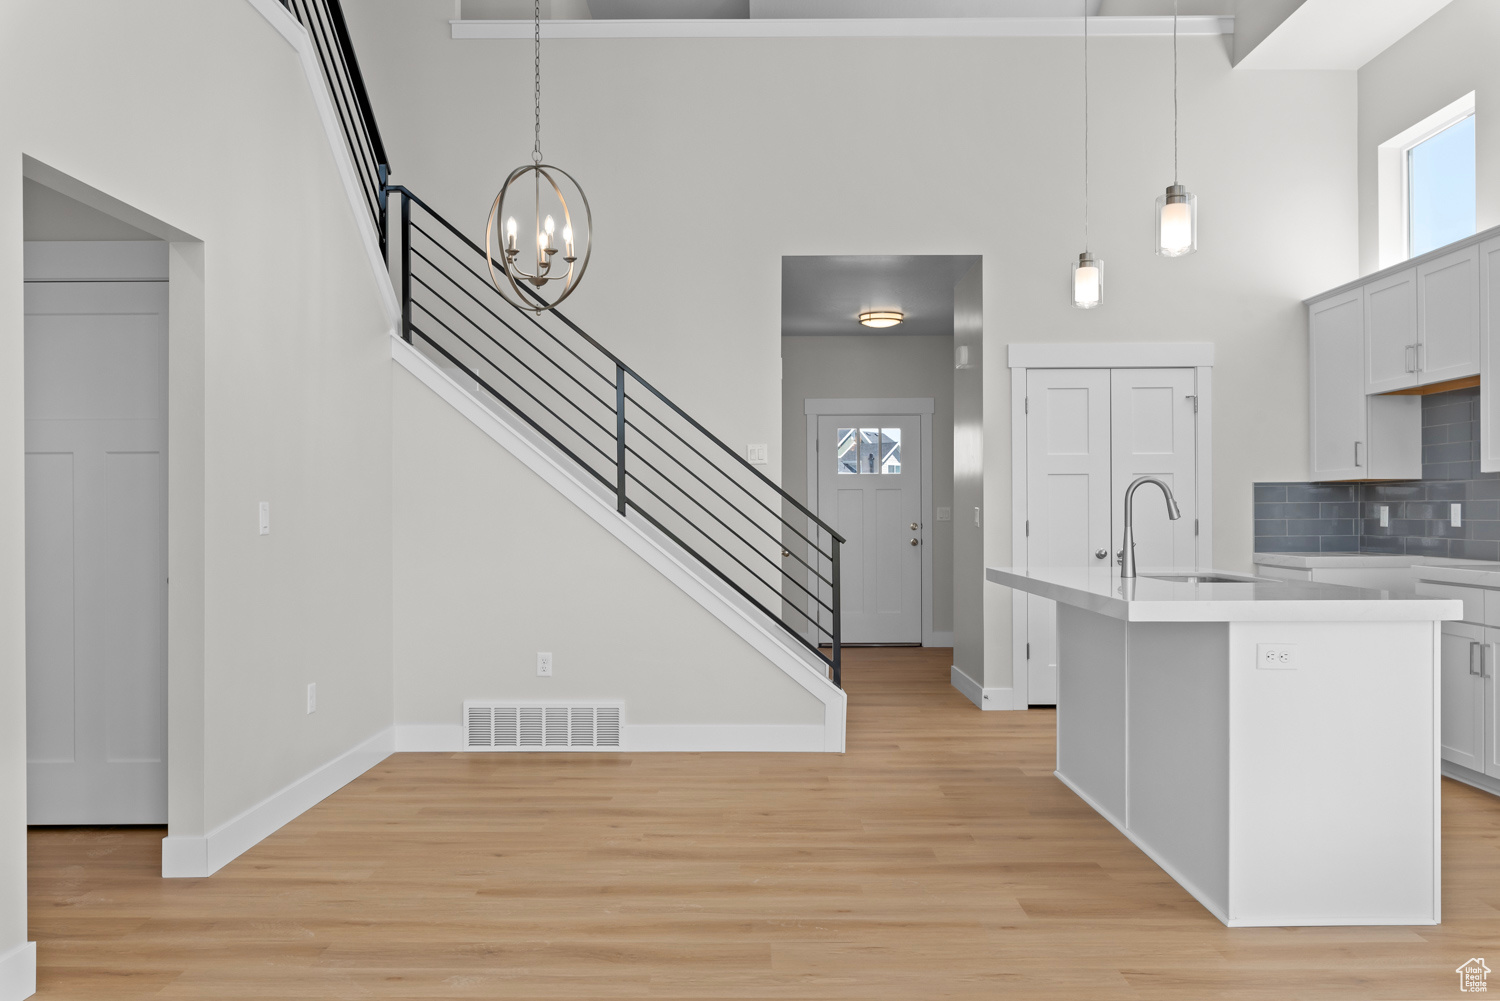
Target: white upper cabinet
{"points": [[1391, 348], [1336, 337], [1448, 317], [1489, 354]]}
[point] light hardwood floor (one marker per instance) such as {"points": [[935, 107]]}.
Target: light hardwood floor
{"points": [[938, 858]]}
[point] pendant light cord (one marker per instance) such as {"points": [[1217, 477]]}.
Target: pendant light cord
{"points": [[1085, 126], [536, 21], [1174, 93]]}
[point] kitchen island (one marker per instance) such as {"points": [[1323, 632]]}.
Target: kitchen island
{"points": [[1272, 745]]}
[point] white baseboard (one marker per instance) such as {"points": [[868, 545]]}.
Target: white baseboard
{"points": [[204, 856], [449, 737], [18, 972], [984, 698], [939, 639], [1470, 777]]}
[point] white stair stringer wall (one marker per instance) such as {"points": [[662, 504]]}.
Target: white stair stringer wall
{"points": [[503, 550]]}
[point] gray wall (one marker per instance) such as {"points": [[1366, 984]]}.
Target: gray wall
{"points": [[968, 477], [876, 365]]}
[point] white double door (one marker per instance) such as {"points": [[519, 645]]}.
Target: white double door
{"points": [[96, 659], [870, 491], [1089, 434]]}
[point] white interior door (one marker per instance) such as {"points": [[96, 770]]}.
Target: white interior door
{"points": [[1153, 433], [96, 552], [870, 491], [1067, 497]]}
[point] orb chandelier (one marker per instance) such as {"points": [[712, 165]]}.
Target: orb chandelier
{"points": [[503, 251]]}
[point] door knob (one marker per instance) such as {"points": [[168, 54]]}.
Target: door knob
{"points": [[913, 526], [785, 553], [915, 542], [1100, 554]]}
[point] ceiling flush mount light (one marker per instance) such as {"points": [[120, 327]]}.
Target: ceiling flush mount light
{"points": [[1177, 210], [1088, 273], [881, 317], [503, 251]]}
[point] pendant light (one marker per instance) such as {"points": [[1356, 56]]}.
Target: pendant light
{"points": [[1088, 273], [548, 197], [1177, 209]]}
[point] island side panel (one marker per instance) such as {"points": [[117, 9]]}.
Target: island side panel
{"points": [[1091, 708], [1333, 811], [1177, 806]]}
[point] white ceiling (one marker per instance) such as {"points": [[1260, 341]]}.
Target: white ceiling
{"points": [[824, 295], [634, 10]]}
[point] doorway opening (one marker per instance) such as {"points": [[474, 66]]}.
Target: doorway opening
{"points": [[868, 435]]}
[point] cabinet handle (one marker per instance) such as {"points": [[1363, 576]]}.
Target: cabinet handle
{"points": [[1356, 453], [1486, 652], [1476, 648], [1421, 355], [1406, 358]]}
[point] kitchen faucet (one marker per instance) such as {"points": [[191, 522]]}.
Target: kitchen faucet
{"points": [[1127, 553]]}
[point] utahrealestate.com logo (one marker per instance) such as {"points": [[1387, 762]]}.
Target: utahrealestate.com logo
{"points": [[1471, 975]]}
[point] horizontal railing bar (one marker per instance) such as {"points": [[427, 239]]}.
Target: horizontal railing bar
{"points": [[748, 544], [517, 410], [773, 512], [598, 399], [631, 424], [740, 590], [459, 337], [486, 283]]}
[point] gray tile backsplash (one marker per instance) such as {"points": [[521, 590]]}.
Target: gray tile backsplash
{"points": [[1345, 517]]}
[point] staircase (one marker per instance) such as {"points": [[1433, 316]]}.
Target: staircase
{"points": [[568, 406]]}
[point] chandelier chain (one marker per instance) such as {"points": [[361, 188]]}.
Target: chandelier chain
{"points": [[536, 65]]}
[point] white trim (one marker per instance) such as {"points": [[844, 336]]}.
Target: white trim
{"points": [[921, 407], [1198, 356], [894, 406], [802, 667], [94, 260], [282, 20], [18, 972], [1112, 354], [852, 27], [1469, 777], [984, 698], [206, 855], [448, 738], [1393, 181]]}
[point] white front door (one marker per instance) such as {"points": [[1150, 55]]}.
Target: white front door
{"points": [[870, 491], [1153, 433], [1067, 498], [96, 552]]}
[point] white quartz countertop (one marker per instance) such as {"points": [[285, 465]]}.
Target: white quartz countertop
{"points": [[1144, 599], [1355, 561], [1472, 573]]}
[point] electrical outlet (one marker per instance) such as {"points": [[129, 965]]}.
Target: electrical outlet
{"points": [[1385, 515], [312, 698], [1275, 656], [544, 665], [265, 522], [1456, 515], [945, 514]]}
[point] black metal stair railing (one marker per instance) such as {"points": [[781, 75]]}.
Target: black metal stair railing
{"points": [[658, 464], [655, 460]]}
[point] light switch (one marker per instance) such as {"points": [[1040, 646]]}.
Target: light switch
{"points": [[265, 523], [976, 517], [758, 455], [945, 514], [312, 698], [1385, 515], [1456, 515]]}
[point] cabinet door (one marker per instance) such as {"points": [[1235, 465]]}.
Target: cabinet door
{"points": [[1391, 332], [1337, 413], [1463, 694], [1448, 316], [1489, 355]]}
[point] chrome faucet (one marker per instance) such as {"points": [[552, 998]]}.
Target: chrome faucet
{"points": [[1127, 553]]}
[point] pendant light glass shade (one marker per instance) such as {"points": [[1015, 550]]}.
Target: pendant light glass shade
{"points": [[1176, 222], [1088, 281]]}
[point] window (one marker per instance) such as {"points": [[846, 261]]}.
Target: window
{"points": [[1440, 188], [870, 451]]}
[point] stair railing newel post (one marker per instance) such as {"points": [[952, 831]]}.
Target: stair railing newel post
{"points": [[836, 663], [405, 266], [620, 436]]}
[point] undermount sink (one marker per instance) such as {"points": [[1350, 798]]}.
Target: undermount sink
{"points": [[1206, 578]]}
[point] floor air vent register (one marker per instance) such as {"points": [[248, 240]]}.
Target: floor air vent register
{"points": [[497, 726]]}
